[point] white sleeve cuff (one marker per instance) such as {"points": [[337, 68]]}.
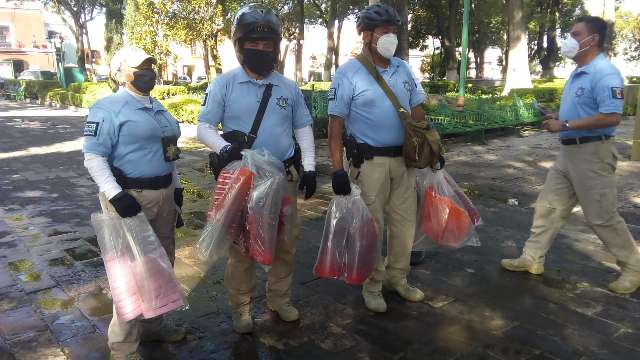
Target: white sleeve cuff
{"points": [[208, 135], [99, 169], [304, 136]]}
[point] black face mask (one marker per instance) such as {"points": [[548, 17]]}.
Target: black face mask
{"points": [[259, 61], [144, 80]]}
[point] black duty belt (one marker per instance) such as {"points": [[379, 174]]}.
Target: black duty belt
{"points": [[369, 151], [289, 163], [149, 183], [585, 139]]}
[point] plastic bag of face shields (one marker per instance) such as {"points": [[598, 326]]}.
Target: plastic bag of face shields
{"points": [[349, 247], [446, 216], [248, 200], [227, 213], [141, 277]]}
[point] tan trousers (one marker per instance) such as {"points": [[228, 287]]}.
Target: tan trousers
{"points": [[389, 189], [583, 174], [240, 273], [160, 209]]}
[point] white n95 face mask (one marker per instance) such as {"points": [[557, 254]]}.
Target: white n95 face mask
{"points": [[570, 48], [387, 45]]}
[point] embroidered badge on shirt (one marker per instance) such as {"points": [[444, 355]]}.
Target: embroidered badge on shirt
{"points": [[580, 91], [91, 128], [407, 85], [282, 102], [617, 93], [331, 95]]}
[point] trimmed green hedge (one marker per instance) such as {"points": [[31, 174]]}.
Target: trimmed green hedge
{"points": [[162, 92], [185, 108]]}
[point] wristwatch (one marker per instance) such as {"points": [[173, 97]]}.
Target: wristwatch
{"points": [[565, 126]]}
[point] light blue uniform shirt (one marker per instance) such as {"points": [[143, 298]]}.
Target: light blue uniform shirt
{"points": [[369, 115], [233, 99], [129, 134], [594, 88]]}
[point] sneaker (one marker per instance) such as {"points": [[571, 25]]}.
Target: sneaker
{"points": [[286, 312], [374, 301], [242, 322], [407, 291], [524, 263], [627, 283], [167, 332]]}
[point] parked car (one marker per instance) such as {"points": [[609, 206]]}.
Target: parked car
{"points": [[102, 77], [200, 79], [37, 75], [183, 80]]}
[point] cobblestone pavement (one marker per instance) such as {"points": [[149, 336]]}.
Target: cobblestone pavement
{"points": [[54, 301]]}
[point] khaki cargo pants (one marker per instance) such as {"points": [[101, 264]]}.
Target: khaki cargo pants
{"points": [[160, 208], [583, 174], [240, 273], [389, 190]]}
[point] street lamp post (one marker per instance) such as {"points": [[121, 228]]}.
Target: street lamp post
{"points": [[463, 55], [58, 41]]}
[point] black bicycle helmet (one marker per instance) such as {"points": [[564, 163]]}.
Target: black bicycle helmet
{"points": [[377, 15], [256, 21]]}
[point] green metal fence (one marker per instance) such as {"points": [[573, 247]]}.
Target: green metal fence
{"points": [[480, 114]]}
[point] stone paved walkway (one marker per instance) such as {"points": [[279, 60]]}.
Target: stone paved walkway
{"points": [[54, 301]]}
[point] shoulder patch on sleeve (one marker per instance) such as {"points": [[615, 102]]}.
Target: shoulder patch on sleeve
{"points": [[617, 93], [204, 102], [91, 128], [332, 94]]}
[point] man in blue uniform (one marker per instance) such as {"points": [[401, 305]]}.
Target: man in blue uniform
{"points": [[374, 147], [584, 172], [130, 148], [233, 99]]}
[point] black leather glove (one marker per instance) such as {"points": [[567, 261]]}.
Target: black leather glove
{"points": [[178, 198], [125, 204], [309, 183], [340, 183], [228, 154]]}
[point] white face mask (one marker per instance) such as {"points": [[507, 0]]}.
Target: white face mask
{"points": [[387, 45], [570, 48]]}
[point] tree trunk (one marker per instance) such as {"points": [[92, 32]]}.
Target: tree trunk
{"points": [[518, 75], [283, 58], [215, 54], [479, 61], [331, 24], [299, 41], [550, 58], [79, 45], [93, 70], [205, 58], [336, 50], [403, 30], [451, 41]]}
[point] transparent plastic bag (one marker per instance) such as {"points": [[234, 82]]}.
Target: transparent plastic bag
{"points": [[443, 216], [227, 213], [349, 248], [265, 205], [116, 254], [158, 288], [140, 274]]}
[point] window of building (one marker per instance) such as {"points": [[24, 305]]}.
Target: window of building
{"points": [[5, 36]]}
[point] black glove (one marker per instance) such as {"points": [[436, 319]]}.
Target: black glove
{"points": [[340, 183], [125, 204], [308, 181], [228, 154], [178, 198]]}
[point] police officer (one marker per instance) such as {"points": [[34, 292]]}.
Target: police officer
{"points": [[130, 148], [375, 138], [584, 171], [233, 100]]}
